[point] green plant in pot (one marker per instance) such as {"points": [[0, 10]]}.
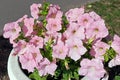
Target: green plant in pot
{"points": [[52, 45]]}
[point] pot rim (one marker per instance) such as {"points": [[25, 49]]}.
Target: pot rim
{"points": [[13, 68]]}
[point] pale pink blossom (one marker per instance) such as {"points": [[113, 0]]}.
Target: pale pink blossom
{"points": [[85, 20], [60, 50], [54, 12], [34, 8], [76, 48], [30, 59], [11, 31], [28, 26], [99, 49], [115, 61], [46, 67], [21, 47], [96, 30], [74, 31], [95, 78], [54, 25], [94, 15], [91, 69], [57, 15], [116, 44], [106, 77], [13, 42], [22, 19], [37, 41], [53, 8], [73, 14], [91, 78]]}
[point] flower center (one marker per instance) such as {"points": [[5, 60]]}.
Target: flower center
{"points": [[37, 41], [75, 46], [60, 51], [101, 48], [34, 55], [96, 29], [54, 25], [85, 20], [13, 30], [53, 16], [74, 31]]}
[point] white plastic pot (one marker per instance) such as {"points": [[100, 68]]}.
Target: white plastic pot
{"points": [[14, 70]]}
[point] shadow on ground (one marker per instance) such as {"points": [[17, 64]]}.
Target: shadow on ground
{"points": [[5, 48]]}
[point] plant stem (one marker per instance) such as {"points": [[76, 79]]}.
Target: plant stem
{"points": [[69, 77]]}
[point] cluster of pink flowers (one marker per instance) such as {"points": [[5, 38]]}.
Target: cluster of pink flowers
{"points": [[82, 28]]}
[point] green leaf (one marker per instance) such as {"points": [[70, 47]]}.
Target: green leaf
{"points": [[64, 24], [35, 76], [66, 76], [47, 51], [65, 20], [40, 32], [106, 57], [57, 73], [110, 54], [117, 77], [45, 8], [44, 22]]}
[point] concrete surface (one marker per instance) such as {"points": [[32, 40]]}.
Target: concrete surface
{"points": [[11, 10]]}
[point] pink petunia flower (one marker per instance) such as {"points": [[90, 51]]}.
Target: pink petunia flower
{"points": [[11, 31], [30, 59], [37, 41], [99, 48], [94, 15], [46, 67], [22, 19], [57, 15], [96, 30], [91, 69], [74, 31], [28, 26], [73, 14], [34, 8], [54, 25], [116, 44], [21, 47], [53, 9], [76, 48], [115, 61], [85, 20], [54, 12], [60, 50]]}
